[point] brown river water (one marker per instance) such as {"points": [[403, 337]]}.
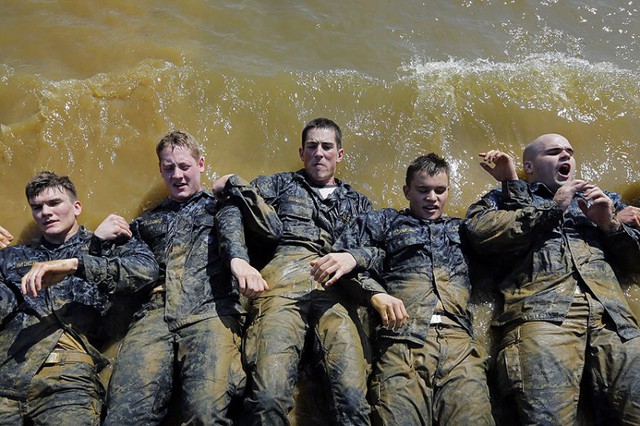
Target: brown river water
{"points": [[88, 87]]}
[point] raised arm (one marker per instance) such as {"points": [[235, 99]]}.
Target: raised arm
{"points": [[499, 164], [116, 264]]}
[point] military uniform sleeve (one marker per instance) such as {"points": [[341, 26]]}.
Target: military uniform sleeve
{"points": [[230, 233], [505, 221], [9, 300], [258, 214], [362, 238], [359, 239], [623, 246], [118, 267]]}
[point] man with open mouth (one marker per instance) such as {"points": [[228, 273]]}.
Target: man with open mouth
{"points": [[565, 322]]}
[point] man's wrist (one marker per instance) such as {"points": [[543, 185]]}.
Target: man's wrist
{"points": [[614, 226]]}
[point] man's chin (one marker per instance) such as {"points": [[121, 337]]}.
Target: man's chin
{"points": [[320, 179], [181, 196]]}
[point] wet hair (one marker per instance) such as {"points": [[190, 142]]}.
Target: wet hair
{"points": [[430, 163], [45, 180], [179, 138], [322, 123]]}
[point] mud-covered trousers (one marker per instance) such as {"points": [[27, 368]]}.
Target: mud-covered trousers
{"points": [[443, 382], [273, 345], [204, 357], [541, 366], [66, 393]]}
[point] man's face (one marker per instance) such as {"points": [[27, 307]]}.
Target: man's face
{"points": [[427, 195], [181, 172], [55, 214], [552, 162], [321, 155]]}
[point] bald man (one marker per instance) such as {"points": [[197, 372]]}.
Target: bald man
{"points": [[565, 321]]}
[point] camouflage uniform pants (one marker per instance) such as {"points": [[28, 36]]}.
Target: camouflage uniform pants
{"points": [[541, 366], [68, 393], [274, 342], [442, 382], [203, 356]]}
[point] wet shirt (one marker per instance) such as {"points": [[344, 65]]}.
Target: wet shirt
{"points": [[419, 261], [193, 274], [310, 223], [31, 326], [552, 254]]}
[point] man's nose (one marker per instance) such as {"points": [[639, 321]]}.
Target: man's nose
{"points": [[430, 195]]}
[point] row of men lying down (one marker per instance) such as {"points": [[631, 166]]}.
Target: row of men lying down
{"points": [[321, 250]]}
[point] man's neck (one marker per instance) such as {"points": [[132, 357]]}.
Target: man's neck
{"points": [[61, 239]]}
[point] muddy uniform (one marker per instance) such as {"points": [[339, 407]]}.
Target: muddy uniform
{"points": [[296, 305], [564, 311], [189, 328], [431, 371], [48, 362]]}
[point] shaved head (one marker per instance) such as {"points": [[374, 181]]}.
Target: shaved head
{"points": [[538, 145], [549, 159]]}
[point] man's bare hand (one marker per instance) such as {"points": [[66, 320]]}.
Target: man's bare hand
{"points": [[112, 227], [630, 216], [391, 310], [5, 237], [503, 169], [565, 194], [45, 274], [599, 209], [249, 279], [333, 265]]}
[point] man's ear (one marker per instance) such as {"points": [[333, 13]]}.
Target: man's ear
{"points": [[405, 189], [528, 167], [77, 208]]}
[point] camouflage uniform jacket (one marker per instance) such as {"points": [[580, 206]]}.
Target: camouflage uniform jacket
{"points": [[419, 261], [193, 274], [550, 254], [309, 222], [32, 326]]}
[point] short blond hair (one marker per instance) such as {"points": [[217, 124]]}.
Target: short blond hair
{"points": [[179, 138]]}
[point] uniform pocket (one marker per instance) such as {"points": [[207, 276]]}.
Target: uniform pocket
{"points": [[508, 363]]}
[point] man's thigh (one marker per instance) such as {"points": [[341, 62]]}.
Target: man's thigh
{"points": [[614, 366], [461, 392], [210, 368], [65, 394], [540, 365], [342, 343], [399, 395], [140, 386], [274, 340]]}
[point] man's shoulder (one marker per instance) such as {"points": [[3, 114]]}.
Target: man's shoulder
{"points": [[387, 213], [349, 191], [156, 208], [277, 179]]}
